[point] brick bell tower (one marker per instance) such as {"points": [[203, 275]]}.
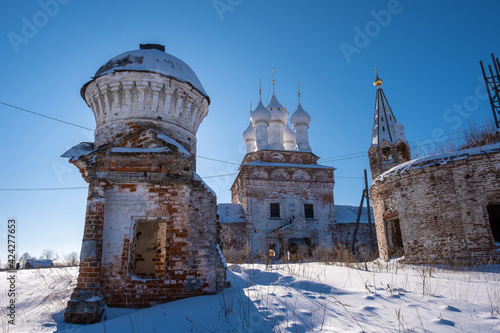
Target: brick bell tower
{"points": [[389, 146], [150, 233]]}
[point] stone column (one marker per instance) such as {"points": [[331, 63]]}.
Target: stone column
{"points": [[86, 305]]}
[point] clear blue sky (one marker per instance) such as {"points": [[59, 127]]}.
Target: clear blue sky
{"points": [[427, 53]]}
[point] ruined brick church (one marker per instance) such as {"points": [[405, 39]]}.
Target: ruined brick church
{"points": [[150, 231], [436, 208], [282, 199]]}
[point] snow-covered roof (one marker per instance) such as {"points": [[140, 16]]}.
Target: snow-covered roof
{"points": [[440, 159], [348, 214], [231, 213], [81, 149], [140, 150], [198, 178], [290, 165], [153, 60], [168, 139]]}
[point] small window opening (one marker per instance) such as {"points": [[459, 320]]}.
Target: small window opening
{"points": [[309, 211], [274, 210], [386, 154]]}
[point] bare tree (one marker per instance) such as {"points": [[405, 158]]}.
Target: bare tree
{"points": [[24, 258], [71, 259], [48, 255]]}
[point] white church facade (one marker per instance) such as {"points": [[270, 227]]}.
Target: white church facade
{"points": [[282, 199]]}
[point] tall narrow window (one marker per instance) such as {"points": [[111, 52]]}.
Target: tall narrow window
{"points": [[309, 211], [494, 214], [274, 210]]}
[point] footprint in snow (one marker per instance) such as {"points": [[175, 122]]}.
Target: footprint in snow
{"points": [[450, 308], [445, 322], [368, 308]]}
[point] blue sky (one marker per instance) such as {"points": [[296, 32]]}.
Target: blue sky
{"points": [[427, 53]]}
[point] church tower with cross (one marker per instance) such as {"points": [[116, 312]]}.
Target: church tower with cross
{"points": [[389, 146]]}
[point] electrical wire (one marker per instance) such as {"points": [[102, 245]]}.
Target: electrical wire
{"points": [[44, 116]]}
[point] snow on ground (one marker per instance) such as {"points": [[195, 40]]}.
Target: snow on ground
{"points": [[307, 297]]}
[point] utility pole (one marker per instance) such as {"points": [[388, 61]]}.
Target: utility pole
{"points": [[365, 195]]}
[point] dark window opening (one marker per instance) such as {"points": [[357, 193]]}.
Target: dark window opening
{"points": [[309, 211], [274, 210], [146, 246], [382, 118], [383, 129], [386, 154], [494, 214]]}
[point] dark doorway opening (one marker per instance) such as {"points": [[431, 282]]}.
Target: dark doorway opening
{"points": [[394, 238], [298, 248], [494, 214]]}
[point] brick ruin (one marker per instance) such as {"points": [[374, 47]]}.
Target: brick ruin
{"points": [[151, 232], [437, 208], [441, 207]]}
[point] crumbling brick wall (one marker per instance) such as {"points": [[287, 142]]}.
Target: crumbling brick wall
{"points": [[441, 209]]}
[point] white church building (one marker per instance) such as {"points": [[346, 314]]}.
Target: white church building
{"points": [[282, 199]]}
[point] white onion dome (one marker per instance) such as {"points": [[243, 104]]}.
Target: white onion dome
{"points": [[249, 133], [288, 134], [260, 114], [300, 117], [277, 110]]}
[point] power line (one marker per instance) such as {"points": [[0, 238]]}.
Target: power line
{"points": [[229, 174], [44, 116], [213, 159], [44, 189]]}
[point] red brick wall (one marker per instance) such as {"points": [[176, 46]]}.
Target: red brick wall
{"points": [[442, 209]]}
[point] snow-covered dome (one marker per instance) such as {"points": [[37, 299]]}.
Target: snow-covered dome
{"points": [[300, 117], [249, 133], [288, 134], [277, 110], [261, 114], [152, 58]]}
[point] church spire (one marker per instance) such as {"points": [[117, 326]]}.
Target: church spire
{"points": [[385, 126], [389, 147]]}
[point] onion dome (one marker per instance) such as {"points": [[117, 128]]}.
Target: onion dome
{"points": [[288, 134], [249, 133], [277, 110], [300, 117], [260, 114]]}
